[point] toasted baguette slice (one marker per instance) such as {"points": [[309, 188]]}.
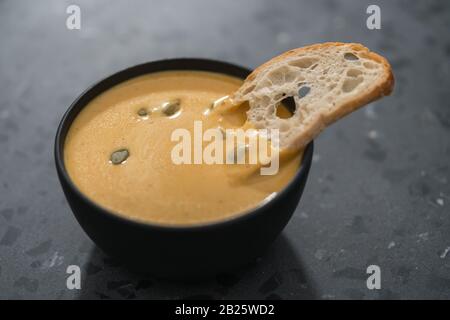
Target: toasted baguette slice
{"points": [[327, 82]]}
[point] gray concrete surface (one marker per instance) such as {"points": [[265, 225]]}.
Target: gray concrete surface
{"points": [[378, 191]]}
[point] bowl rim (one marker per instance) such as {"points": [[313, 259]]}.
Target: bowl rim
{"points": [[75, 108]]}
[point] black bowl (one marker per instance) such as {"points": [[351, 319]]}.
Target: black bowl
{"points": [[172, 251]]}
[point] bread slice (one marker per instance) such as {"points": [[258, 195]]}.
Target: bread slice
{"points": [[327, 81]]}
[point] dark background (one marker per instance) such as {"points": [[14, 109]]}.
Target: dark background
{"points": [[378, 192]]}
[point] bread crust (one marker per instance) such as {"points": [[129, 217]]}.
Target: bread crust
{"points": [[383, 86]]}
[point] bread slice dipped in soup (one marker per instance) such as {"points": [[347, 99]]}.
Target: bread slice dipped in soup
{"points": [[119, 150]]}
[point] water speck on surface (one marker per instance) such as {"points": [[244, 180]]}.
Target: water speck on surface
{"points": [[391, 245], [432, 203], [373, 134], [369, 112], [54, 260], [444, 253], [423, 236]]}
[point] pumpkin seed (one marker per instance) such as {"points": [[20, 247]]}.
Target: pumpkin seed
{"points": [[119, 156], [142, 112], [171, 107], [303, 91]]}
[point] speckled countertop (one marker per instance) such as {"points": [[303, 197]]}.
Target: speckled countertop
{"points": [[378, 192]]}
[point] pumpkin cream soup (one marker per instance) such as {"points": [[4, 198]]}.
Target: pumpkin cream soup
{"points": [[118, 151]]}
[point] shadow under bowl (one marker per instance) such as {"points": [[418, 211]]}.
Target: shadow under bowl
{"points": [[178, 251]]}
